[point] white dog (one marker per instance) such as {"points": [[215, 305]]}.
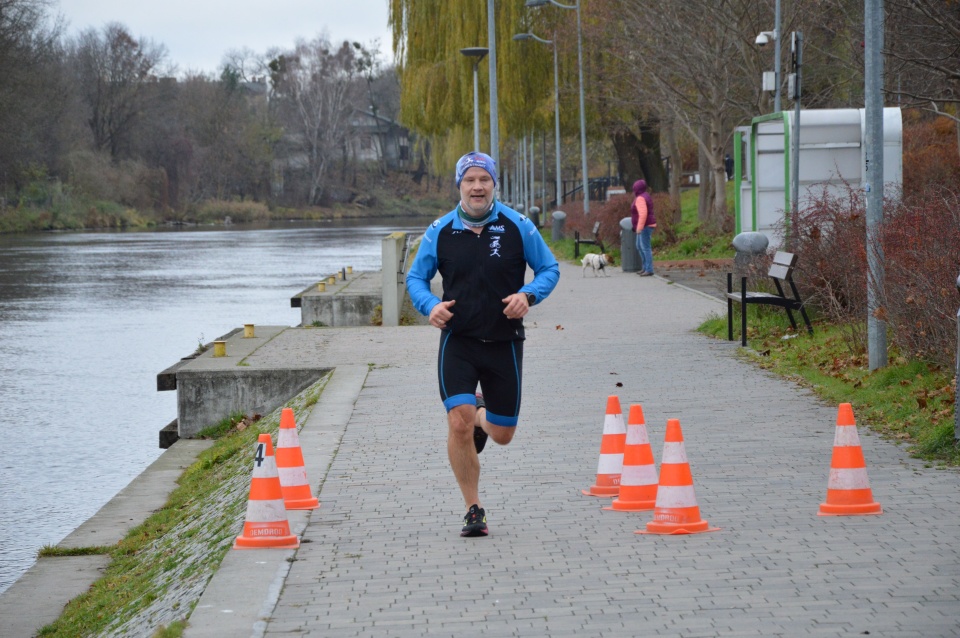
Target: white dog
{"points": [[597, 261]]}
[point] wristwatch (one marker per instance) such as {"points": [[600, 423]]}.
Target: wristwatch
{"points": [[531, 298]]}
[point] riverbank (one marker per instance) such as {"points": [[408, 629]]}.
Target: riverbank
{"points": [[380, 202]]}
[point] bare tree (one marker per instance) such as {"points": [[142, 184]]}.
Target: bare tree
{"points": [[923, 51], [33, 99], [113, 70], [700, 80], [316, 87]]}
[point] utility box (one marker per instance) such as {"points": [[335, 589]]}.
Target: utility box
{"points": [[832, 154]]}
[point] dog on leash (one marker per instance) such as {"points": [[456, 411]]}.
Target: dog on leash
{"points": [[596, 261]]}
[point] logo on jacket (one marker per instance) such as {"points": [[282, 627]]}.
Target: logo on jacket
{"points": [[498, 229], [495, 247]]}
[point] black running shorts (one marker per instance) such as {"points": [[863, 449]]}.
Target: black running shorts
{"points": [[497, 366]]}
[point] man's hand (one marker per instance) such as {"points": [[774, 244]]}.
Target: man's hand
{"points": [[517, 306], [440, 314]]}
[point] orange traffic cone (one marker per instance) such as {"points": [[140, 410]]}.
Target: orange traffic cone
{"points": [[266, 524], [676, 511], [638, 483], [848, 489], [293, 475], [610, 465]]}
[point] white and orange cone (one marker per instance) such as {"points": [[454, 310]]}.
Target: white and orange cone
{"points": [[848, 489], [266, 525], [638, 482], [676, 511], [610, 465], [293, 474]]}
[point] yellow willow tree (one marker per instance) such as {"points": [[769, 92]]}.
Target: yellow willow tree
{"points": [[436, 80]]}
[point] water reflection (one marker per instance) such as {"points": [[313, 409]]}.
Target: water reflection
{"points": [[87, 320]]}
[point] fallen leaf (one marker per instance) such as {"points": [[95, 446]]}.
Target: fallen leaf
{"points": [[559, 327], [619, 385]]}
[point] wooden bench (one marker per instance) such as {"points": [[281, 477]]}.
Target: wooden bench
{"points": [[781, 270], [596, 240]]}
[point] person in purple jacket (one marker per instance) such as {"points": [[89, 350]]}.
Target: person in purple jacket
{"points": [[644, 221], [482, 250]]}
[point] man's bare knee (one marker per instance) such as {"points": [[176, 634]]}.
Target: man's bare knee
{"points": [[500, 434]]}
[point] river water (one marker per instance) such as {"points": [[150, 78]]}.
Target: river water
{"points": [[87, 320]]}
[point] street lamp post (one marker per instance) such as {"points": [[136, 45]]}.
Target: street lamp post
{"points": [[477, 53], [494, 115], [796, 47], [583, 117], [556, 100]]}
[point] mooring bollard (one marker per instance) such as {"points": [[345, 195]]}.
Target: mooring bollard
{"points": [[331, 280], [349, 270], [219, 348], [321, 287], [248, 331], [559, 218]]}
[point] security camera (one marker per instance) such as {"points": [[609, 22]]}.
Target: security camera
{"points": [[763, 40]]}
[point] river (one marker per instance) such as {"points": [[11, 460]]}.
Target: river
{"points": [[87, 320]]}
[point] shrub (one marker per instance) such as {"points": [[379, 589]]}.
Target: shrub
{"points": [[920, 252], [921, 248], [930, 156]]}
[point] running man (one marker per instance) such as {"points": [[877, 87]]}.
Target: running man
{"points": [[482, 249]]}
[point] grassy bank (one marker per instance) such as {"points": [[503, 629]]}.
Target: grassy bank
{"points": [[159, 571]]}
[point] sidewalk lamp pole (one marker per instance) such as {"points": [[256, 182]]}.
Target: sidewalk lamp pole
{"points": [[796, 47], [494, 116], [873, 120], [556, 100], [583, 117], [477, 53]]}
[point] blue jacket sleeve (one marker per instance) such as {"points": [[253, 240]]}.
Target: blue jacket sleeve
{"points": [[546, 270], [422, 271]]}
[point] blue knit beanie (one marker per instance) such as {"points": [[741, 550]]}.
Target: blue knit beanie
{"points": [[476, 158]]}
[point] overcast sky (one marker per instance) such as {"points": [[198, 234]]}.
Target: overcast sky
{"points": [[197, 33]]}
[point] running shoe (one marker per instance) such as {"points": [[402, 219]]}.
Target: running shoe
{"points": [[479, 436], [475, 522]]}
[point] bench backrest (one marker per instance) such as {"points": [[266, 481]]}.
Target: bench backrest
{"points": [[782, 265]]}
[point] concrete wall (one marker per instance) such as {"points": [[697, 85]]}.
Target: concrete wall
{"points": [[206, 397]]}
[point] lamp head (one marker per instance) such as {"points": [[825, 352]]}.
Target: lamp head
{"points": [[522, 36], [477, 52], [537, 3]]}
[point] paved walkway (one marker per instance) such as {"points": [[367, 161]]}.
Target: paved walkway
{"points": [[382, 556]]}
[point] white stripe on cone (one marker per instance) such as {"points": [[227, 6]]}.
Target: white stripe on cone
{"points": [[673, 496], [846, 436], [674, 453], [637, 435], [638, 475], [613, 424], [848, 479], [292, 476], [266, 511], [610, 464]]}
